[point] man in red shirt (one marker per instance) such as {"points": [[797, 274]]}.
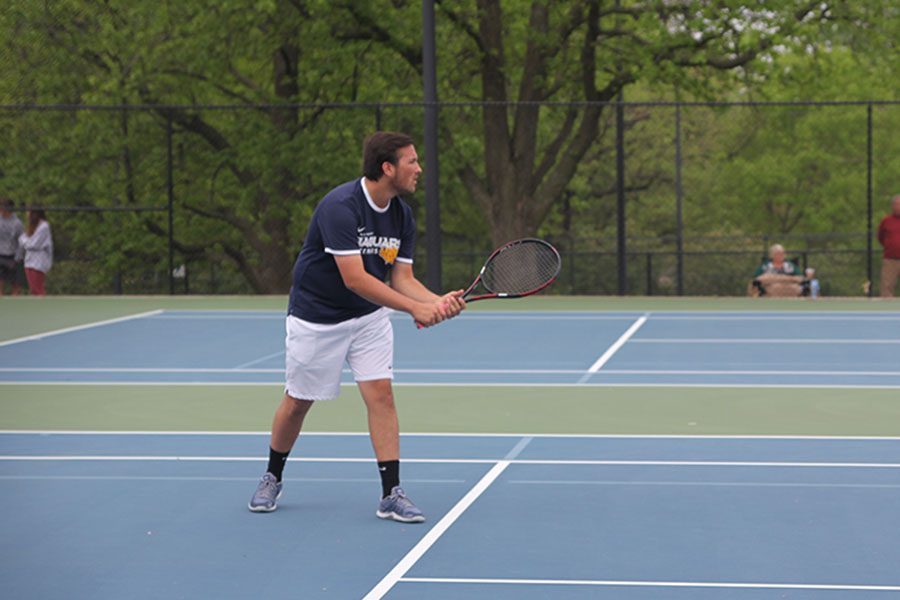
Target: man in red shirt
{"points": [[889, 236]]}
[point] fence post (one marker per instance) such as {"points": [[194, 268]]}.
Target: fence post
{"points": [[649, 273], [621, 244], [869, 198], [679, 204], [170, 184], [432, 176]]}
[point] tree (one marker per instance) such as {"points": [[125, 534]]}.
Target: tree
{"points": [[586, 52], [247, 177], [267, 100]]}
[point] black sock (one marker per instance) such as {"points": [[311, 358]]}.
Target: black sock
{"points": [[390, 476], [276, 463]]}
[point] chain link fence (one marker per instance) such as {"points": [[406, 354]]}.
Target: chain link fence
{"points": [[215, 199]]}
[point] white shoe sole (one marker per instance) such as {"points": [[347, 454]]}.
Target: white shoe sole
{"points": [[395, 517], [263, 508]]}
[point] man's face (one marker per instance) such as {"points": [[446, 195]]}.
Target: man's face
{"points": [[405, 174], [895, 205]]}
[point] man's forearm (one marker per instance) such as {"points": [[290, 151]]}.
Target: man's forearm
{"points": [[380, 293], [413, 288]]}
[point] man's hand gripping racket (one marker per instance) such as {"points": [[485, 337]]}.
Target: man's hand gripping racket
{"points": [[514, 270]]}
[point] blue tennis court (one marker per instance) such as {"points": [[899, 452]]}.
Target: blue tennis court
{"points": [[162, 514], [148, 515], [563, 348]]}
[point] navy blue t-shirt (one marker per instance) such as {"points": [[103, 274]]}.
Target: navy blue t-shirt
{"points": [[347, 222]]}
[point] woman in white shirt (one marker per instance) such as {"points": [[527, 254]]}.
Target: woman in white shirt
{"points": [[38, 244]]}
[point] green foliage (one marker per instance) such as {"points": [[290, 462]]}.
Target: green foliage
{"points": [[250, 88]]}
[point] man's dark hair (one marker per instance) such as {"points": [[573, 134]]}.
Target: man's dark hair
{"points": [[381, 147], [7, 203]]}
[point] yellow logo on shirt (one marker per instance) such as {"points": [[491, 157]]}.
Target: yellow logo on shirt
{"points": [[389, 255], [386, 247]]}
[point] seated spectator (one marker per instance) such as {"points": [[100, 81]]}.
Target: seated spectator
{"points": [[777, 277]]}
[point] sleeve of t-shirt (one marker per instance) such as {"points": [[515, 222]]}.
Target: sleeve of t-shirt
{"points": [[407, 238], [40, 240], [337, 224]]}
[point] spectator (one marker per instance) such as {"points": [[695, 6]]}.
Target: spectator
{"points": [[777, 276], [889, 237], [10, 251], [38, 244]]}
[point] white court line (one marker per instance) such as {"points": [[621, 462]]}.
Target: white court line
{"points": [[455, 461], [614, 436], [259, 360], [202, 317], [224, 479], [240, 370], [175, 458], [763, 316], [406, 563], [604, 358], [600, 482], [665, 584], [749, 372], [401, 568], [561, 316], [132, 370], [453, 384], [761, 341], [40, 336], [711, 463], [576, 315]]}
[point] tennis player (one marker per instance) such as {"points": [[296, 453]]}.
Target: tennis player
{"points": [[360, 233]]}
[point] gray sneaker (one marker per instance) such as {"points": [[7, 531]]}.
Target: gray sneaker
{"points": [[267, 492], [399, 508]]}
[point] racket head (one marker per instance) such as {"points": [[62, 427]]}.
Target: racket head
{"points": [[519, 268]]}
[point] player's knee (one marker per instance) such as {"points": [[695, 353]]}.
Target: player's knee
{"points": [[382, 400], [296, 406]]}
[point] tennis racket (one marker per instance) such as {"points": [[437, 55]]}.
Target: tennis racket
{"points": [[515, 270]]}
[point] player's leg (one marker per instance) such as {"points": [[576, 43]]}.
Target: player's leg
{"points": [[384, 427], [371, 359], [285, 428], [384, 431], [288, 422], [314, 357]]}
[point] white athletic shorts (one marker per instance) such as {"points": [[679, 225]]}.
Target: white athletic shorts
{"points": [[315, 354]]}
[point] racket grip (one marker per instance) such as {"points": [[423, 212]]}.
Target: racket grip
{"points": [[420, 326]]}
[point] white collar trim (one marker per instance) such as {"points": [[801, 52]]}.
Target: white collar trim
{"points": [[371, 202]]}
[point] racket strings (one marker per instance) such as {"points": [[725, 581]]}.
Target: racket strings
{"points": [[521, 268]]}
